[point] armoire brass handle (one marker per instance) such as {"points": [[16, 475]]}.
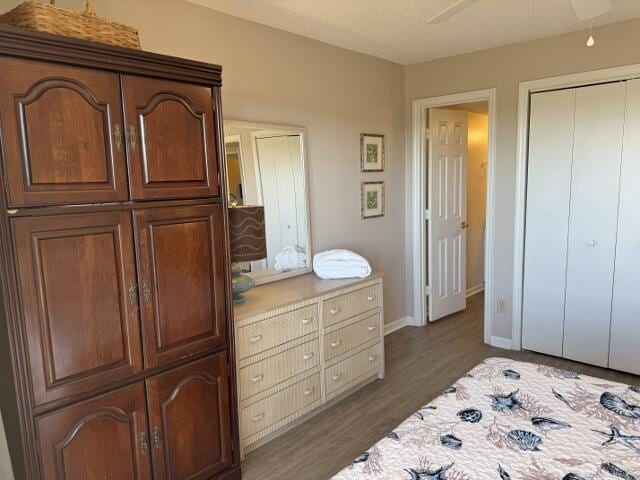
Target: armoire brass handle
{"points": [[146, 292], [117, 137], [157, 437], [144, 444], [133, 294], [133, 136]]}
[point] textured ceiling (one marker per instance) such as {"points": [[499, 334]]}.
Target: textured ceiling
{"points": [[397, 30]]}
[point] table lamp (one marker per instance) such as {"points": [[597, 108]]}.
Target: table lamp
{"points": [[248, 244]]}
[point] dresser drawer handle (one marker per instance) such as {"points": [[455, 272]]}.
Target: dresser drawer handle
{"points": [[256, 379], [309, 391], [335, 311], [372, 357], [371, 328], [307, 356], [255, 339], [336, 343], [371, 298], [257, 418], [336, 376], [307, 321]]}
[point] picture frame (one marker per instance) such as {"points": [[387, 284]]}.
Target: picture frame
{"points": [[371, 152], [372, 199]]}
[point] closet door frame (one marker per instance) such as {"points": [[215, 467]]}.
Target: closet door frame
{"points": [[582, 79]]}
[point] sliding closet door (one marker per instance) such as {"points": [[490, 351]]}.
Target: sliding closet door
{"points": [[593, 221], [625, 318], [548, 194]]}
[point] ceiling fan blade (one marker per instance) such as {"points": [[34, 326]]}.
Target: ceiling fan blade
{"points": [[587, 9], [451, 11]]}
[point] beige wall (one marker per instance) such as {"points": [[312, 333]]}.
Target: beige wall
{"points": [[503, 68], [476, 197]]}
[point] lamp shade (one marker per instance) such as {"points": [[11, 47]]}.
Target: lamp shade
{"points": [[248, 238]]}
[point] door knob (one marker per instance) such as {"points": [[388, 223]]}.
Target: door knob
{"points": [[464, 225], [591, 243]]}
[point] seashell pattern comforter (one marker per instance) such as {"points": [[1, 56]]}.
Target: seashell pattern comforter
{"points": [[513, 420]]}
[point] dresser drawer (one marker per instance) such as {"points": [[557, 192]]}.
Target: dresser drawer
{"points": [[278, 368], [348, 370], [345, 306], [274, 331], [279, 406], [351, 336]]}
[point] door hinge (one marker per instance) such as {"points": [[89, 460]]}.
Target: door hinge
{"points": [[427, 214], [427, 290], [427, 134]]}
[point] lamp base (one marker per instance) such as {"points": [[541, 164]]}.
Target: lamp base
{"points": [[240, 283]]}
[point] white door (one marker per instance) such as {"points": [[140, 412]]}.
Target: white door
{"points": [[593, 221], [625, 317], [547, 220], [282, 192], [447, 245]]}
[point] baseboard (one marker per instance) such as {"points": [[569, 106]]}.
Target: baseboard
{"points": [[398, 324], [501, 342], [476, 289]]}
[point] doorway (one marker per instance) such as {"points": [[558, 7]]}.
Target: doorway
{"points": [[453, 204]]}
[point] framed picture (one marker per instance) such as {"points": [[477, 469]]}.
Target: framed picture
{"points": [[372, 199], [371, 152]]}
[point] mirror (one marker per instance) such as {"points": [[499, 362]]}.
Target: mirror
{"points": [[266, 166]]}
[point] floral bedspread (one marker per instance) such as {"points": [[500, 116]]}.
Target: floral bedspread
{"points": [[513, 420]]}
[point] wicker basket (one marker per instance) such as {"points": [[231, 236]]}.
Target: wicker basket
{"points": [[86, 25]]}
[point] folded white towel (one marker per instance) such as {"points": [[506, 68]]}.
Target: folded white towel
{"points": [[339, 263], [292, 257]]}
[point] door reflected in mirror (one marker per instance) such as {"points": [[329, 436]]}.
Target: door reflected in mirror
{"points": [[266, 166]]}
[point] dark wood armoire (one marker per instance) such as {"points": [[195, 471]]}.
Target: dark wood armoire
{"points": [[116, 349]]}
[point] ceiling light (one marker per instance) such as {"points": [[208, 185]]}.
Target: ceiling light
{"points": [[591, 41]]}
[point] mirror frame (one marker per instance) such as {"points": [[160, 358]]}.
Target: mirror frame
{"points": [[264, 128]]}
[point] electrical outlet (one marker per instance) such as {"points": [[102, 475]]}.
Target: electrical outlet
{"points": [[501, 306]]}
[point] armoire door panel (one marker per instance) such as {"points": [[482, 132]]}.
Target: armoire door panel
{"points": [[548, 194], [79, 303], [102, 438], [625, 316], [189, 411], [62, 134], [170, 133], [181, 273], [593, 221]]}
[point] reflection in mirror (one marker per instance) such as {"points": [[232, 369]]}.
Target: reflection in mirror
{"points": [[266, 166]]}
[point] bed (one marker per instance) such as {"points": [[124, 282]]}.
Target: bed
{"points": [[513, 420]]}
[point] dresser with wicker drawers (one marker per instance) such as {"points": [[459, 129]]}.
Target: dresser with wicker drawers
{"points": [[303, 344]]}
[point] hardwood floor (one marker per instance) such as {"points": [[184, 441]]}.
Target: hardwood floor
{"points": [[421, 363]]}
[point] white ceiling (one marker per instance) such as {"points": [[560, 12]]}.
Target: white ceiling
{"points": [[396, 30]]}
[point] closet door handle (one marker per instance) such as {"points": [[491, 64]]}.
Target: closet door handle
{"points": [[307, 356], [371, 298], [257, 378], [307, 321], [371, 328], [372, 357], [255, 339], [336, 343], [336, 376], [335, 311]]}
